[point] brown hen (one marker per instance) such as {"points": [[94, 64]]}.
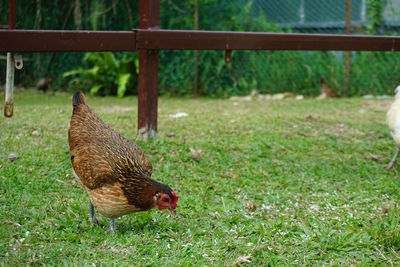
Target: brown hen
{"points": [[112, 169]]}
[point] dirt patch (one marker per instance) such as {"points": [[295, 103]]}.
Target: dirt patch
{"points": [[342, 130], [377, 105]]}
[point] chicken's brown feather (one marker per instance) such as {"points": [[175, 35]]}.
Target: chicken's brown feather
{"points": [[136, 185], [97, 149]]}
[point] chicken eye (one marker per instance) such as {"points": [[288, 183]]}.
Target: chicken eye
{"points": [[165, 199]]}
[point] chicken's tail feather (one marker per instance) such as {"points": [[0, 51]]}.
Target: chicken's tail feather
{"points": [[78, 99]]}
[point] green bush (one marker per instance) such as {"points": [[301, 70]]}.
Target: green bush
{"points": [[107, 75]]}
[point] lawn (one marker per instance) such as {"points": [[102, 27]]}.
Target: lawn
{"points": [[281, 182]]}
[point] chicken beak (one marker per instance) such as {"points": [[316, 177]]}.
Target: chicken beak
{"points": [[173, 211]]}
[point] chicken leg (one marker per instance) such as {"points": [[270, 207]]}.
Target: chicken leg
{"points": [[92, 217], [93, 220], [393, 161]]}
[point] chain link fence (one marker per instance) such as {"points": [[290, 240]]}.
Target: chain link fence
{"points": [[367, 72], [299, 72]]}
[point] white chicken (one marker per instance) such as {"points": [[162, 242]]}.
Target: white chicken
{"points": [[393, 120]]}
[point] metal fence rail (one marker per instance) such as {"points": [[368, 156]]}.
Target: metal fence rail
{"points": [[66, 41], [83, 41], [215, 40]]}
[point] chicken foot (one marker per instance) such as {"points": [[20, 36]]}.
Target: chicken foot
{"points": [[391, 163], [92, 217], [93, 220], [111, 229]]}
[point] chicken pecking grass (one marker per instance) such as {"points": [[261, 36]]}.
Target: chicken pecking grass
{"points": [[112, 169]]}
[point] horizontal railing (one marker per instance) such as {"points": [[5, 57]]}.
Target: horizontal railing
{"points": [[66, 41], [82, 41]]}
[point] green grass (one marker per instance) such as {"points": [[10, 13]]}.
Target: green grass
{"points": [[284, 182]]}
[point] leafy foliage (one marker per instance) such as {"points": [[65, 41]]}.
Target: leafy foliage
{"points": [[107, 75], [216, 77], [268, 71], [375, 10]]}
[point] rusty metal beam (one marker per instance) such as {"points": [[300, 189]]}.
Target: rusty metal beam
{"points": [[148, 73], [155, 39], [66, 41], [217, 40]]}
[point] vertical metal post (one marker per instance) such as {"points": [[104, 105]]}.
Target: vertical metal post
{"points": [[347, 62], [148, 73], [301, 12], [196, 52], [363, 12], [12, 15], [9, 102]]}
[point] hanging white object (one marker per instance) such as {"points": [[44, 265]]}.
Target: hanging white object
{"points": [[18, 63], [13, 60]]}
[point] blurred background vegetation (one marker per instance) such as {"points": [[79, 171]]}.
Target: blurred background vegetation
{"points": [[266, 71]]}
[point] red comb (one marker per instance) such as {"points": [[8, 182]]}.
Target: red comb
{"points": [[174, 203]]}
